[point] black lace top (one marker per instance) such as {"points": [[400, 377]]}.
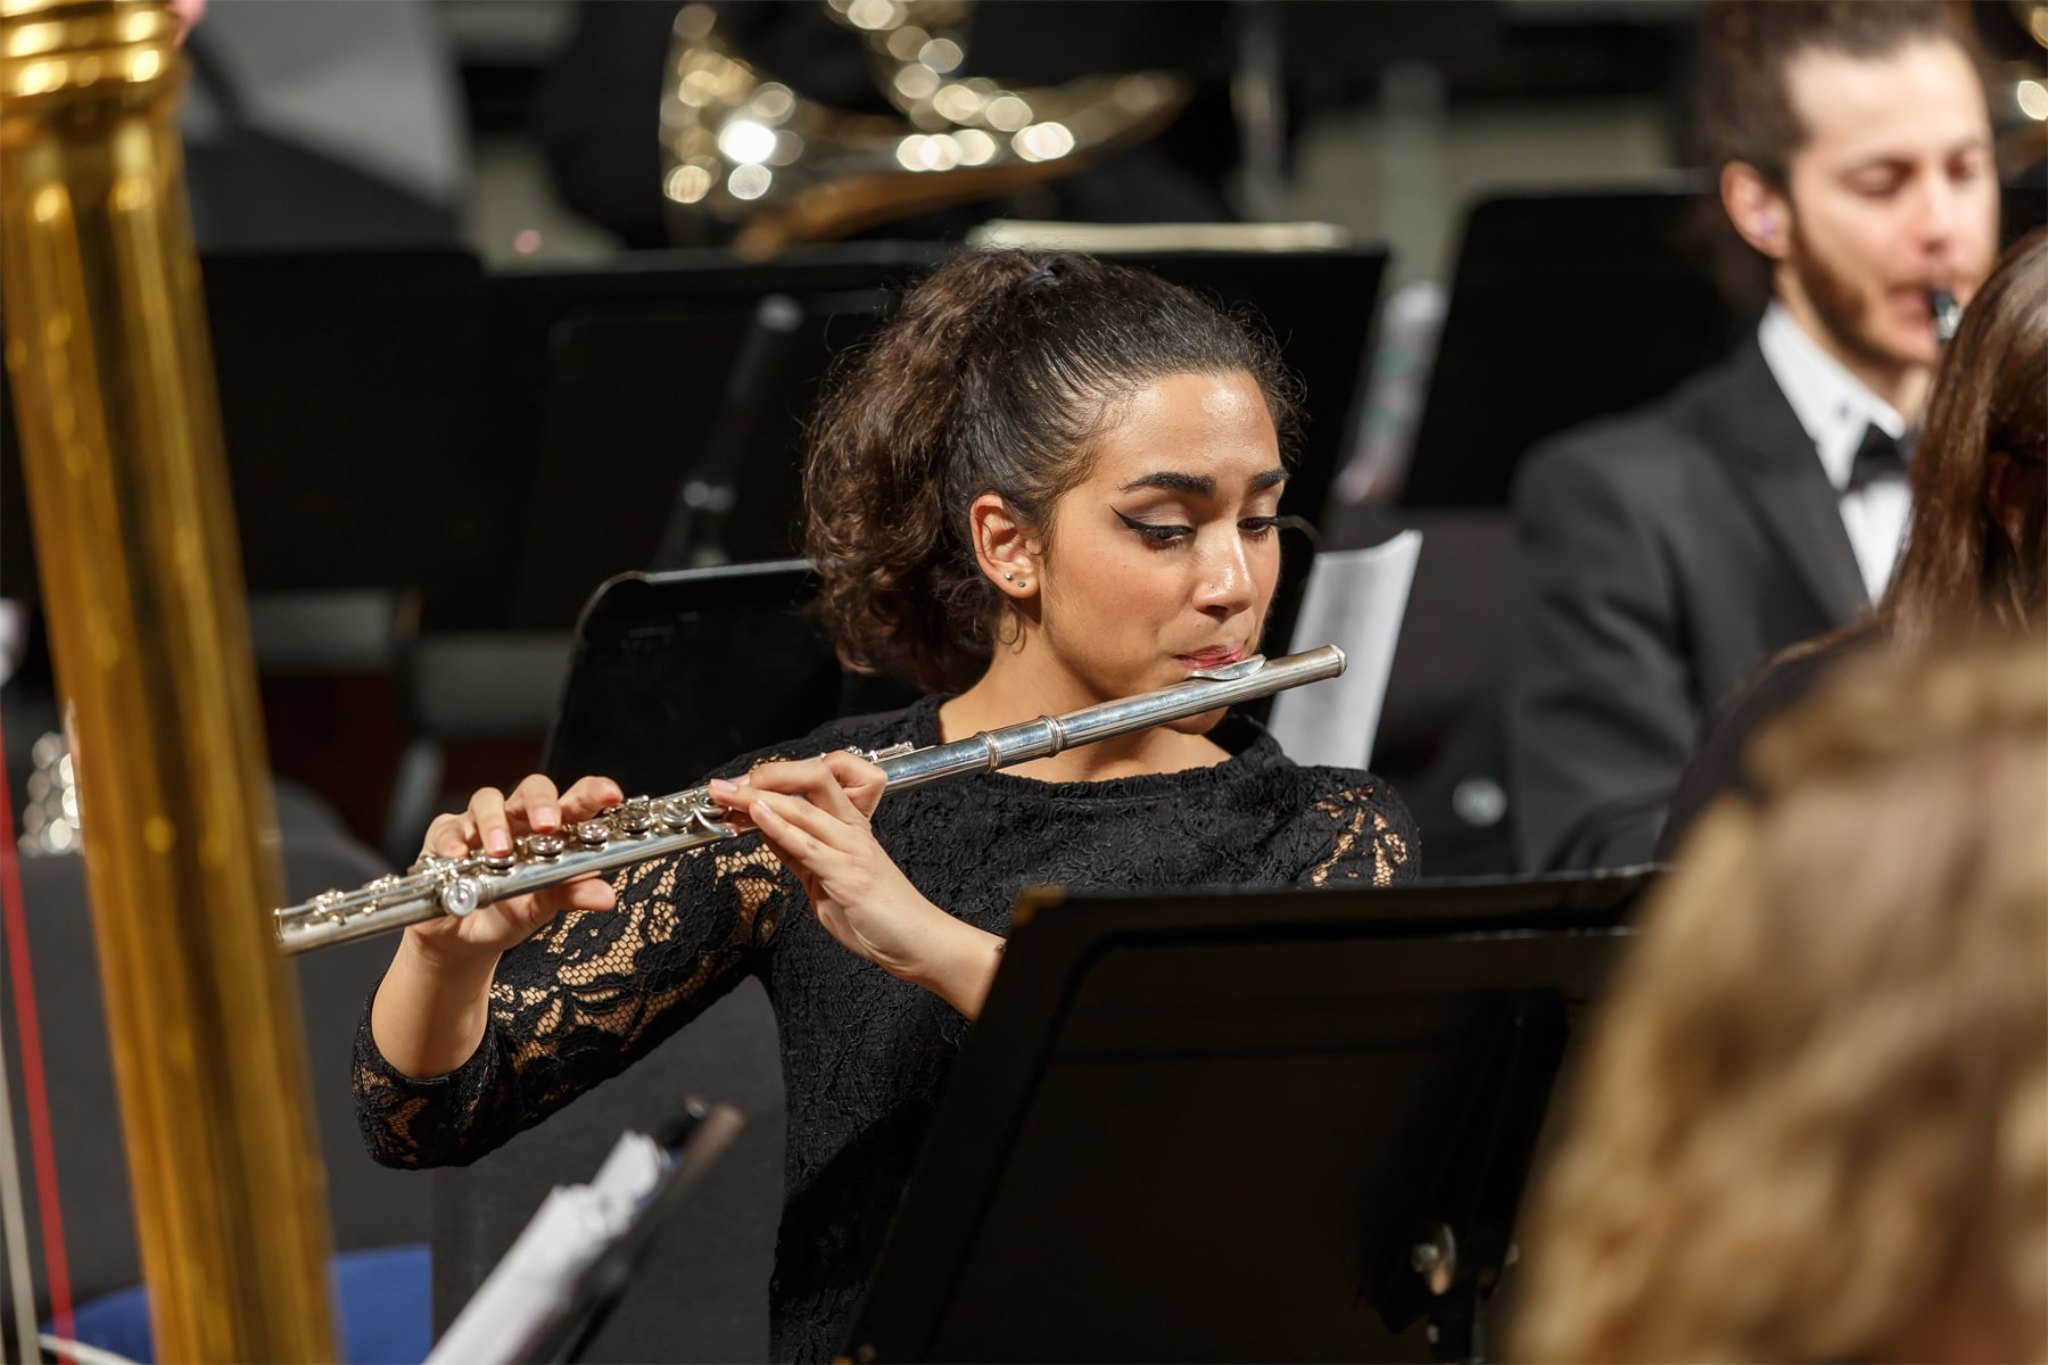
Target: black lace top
{"points": [[863, 1054]]}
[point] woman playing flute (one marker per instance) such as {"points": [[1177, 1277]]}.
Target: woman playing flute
{"points": [[1047, 482]]}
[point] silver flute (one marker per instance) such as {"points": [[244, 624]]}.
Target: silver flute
{"points": [[652, 827]]}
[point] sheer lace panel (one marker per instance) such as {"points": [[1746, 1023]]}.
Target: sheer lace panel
{"points": [[580, 1000], [1364, 844]]}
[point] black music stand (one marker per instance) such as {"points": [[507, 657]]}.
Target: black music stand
{"points": [[696, 1136], [604, 384], [1564, 307], [345, 407], [1280, 1126]]}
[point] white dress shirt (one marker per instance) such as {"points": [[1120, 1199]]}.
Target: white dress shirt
{"points": [[1836, 407]]}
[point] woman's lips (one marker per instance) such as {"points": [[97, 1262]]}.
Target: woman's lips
{"points": [[1213, 658]]}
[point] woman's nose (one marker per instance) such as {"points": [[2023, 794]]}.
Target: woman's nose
{"points": [[1226, 584]]}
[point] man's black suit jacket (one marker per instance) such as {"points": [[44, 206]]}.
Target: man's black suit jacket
{"points": [[1670, 553]]}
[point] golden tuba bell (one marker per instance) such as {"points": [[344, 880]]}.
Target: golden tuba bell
{"points": [[743, 154]]}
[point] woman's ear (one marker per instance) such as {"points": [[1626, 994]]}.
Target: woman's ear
{"points": [[1004, 547]]}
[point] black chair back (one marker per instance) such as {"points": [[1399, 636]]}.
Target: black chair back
{"points": [[675, 673]]}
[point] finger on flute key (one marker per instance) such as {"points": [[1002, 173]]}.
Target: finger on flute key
{"points": [[535, 805], [587, 796], [487, 808]]}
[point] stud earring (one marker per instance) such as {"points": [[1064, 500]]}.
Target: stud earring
{"points": [[1009, 578]]}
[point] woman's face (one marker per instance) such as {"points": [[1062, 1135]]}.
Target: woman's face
{"points": [[1164, 558]]}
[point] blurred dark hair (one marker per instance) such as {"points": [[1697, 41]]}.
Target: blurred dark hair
{"points": [[996, 375], [1812, 1123], [1959, 569], [1745, 108]]}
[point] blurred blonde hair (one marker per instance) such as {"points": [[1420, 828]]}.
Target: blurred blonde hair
{"points": [[1815, 1117]]}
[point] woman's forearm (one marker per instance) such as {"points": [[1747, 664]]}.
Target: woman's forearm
{"points": [[962, 968], [430, 1012]]}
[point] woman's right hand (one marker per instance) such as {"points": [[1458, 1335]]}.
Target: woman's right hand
{"points": [[491, 823]]}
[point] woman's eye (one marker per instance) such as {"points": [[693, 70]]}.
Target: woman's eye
{"points": [[1155, 532], [1258, 526]]}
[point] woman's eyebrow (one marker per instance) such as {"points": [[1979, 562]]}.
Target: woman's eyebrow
{"points": [[1199, 484]]}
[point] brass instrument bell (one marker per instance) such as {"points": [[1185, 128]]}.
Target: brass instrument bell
{"points": [[743, 151]]}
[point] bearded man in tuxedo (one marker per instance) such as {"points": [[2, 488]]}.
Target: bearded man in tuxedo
{"points": [[1674, 550]]}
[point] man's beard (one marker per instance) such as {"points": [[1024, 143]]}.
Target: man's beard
{"points": [[1843, 313]]}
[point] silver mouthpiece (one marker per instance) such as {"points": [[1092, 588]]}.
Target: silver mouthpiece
{"points": [[1948, 314]]}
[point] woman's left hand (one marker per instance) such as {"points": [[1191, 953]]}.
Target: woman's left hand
{"points": [[815, 816]]}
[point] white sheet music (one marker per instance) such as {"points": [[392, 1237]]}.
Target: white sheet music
{"points": [[537, 1278], [1355, 600]]}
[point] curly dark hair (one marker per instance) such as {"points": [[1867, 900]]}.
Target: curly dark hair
{"points": [[996, 374]]}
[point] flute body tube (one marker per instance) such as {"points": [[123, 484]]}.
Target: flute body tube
{"points": [[651, 827]]}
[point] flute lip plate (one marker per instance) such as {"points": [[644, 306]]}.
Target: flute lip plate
{"points": [[1243, 668]]}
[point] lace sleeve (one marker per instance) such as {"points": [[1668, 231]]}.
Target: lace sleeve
{"points": [[1360, 833], [582, 1000]]}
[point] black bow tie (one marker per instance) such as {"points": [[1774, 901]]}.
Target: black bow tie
{"points": [[1879, 457]]}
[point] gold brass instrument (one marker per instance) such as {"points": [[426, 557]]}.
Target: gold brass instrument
{"points": [[135, 539], [742, 149], [646, 827]]}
